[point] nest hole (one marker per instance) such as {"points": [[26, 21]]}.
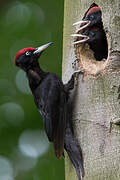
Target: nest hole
{"points": [[93, 53]]}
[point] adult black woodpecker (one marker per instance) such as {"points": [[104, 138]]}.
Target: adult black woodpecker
{"points": [[91, 31], [51, 97]]}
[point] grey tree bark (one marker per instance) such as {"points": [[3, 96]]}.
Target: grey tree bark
{"points": [[97, 98]]}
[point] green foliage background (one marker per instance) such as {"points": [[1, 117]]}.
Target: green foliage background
{"points": [[24, 24]]}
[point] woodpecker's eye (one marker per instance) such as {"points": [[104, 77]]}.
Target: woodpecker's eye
{"points": [[28, 53], [91, 17]]}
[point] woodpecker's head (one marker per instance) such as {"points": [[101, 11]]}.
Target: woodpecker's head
{"points": [[93, 16], [26, 57], [90, 26]]}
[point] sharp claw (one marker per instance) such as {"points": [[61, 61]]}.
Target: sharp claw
{"points": [[79, 71], [79, 35], [76, 75], [80, 22], [77, 60], [81, 41]]}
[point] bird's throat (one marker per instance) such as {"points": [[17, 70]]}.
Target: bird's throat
{"points": [[35, 75]]}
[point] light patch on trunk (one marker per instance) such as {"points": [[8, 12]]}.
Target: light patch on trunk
{"points": [[87, 61]]}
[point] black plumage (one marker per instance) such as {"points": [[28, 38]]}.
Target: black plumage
{"points": [[95, 31], [92, 30], [51, 98]]}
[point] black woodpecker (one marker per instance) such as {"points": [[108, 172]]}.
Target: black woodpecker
{"points": [[91, 31], [51, 97]]}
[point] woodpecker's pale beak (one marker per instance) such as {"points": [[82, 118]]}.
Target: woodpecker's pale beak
{"points": [[83, 24], [41, 48], [83, 38]]}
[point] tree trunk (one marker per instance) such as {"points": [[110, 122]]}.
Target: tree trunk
{"points": [[97, 98]]}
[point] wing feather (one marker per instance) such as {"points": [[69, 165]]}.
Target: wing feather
{"points": [[52, 106]]}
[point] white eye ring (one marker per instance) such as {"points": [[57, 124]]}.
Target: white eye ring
{"points": [[27, 53]]}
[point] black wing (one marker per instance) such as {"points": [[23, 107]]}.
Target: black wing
{"points": [[59, 127], [52, 105]]}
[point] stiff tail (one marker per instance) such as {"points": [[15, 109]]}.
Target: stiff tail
{"points": [[59, 128], [74, 152]]}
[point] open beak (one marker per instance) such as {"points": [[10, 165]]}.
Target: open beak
{"points": [[85, 38], [41, 48], [83, 24]]}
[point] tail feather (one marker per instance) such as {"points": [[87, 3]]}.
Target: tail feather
{"points": [[74, 152], [59, 129]]}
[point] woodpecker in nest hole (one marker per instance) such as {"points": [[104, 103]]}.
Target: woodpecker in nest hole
{"points": [[51, 98], [91, 31]]}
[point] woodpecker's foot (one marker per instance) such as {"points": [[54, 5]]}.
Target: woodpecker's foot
{"points": [[73, 81], [76, 75], [80, 38], [77, 72]]}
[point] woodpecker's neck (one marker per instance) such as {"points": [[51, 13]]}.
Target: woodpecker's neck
{"points": [[36, 68], [35, 75], [100, 46]]}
